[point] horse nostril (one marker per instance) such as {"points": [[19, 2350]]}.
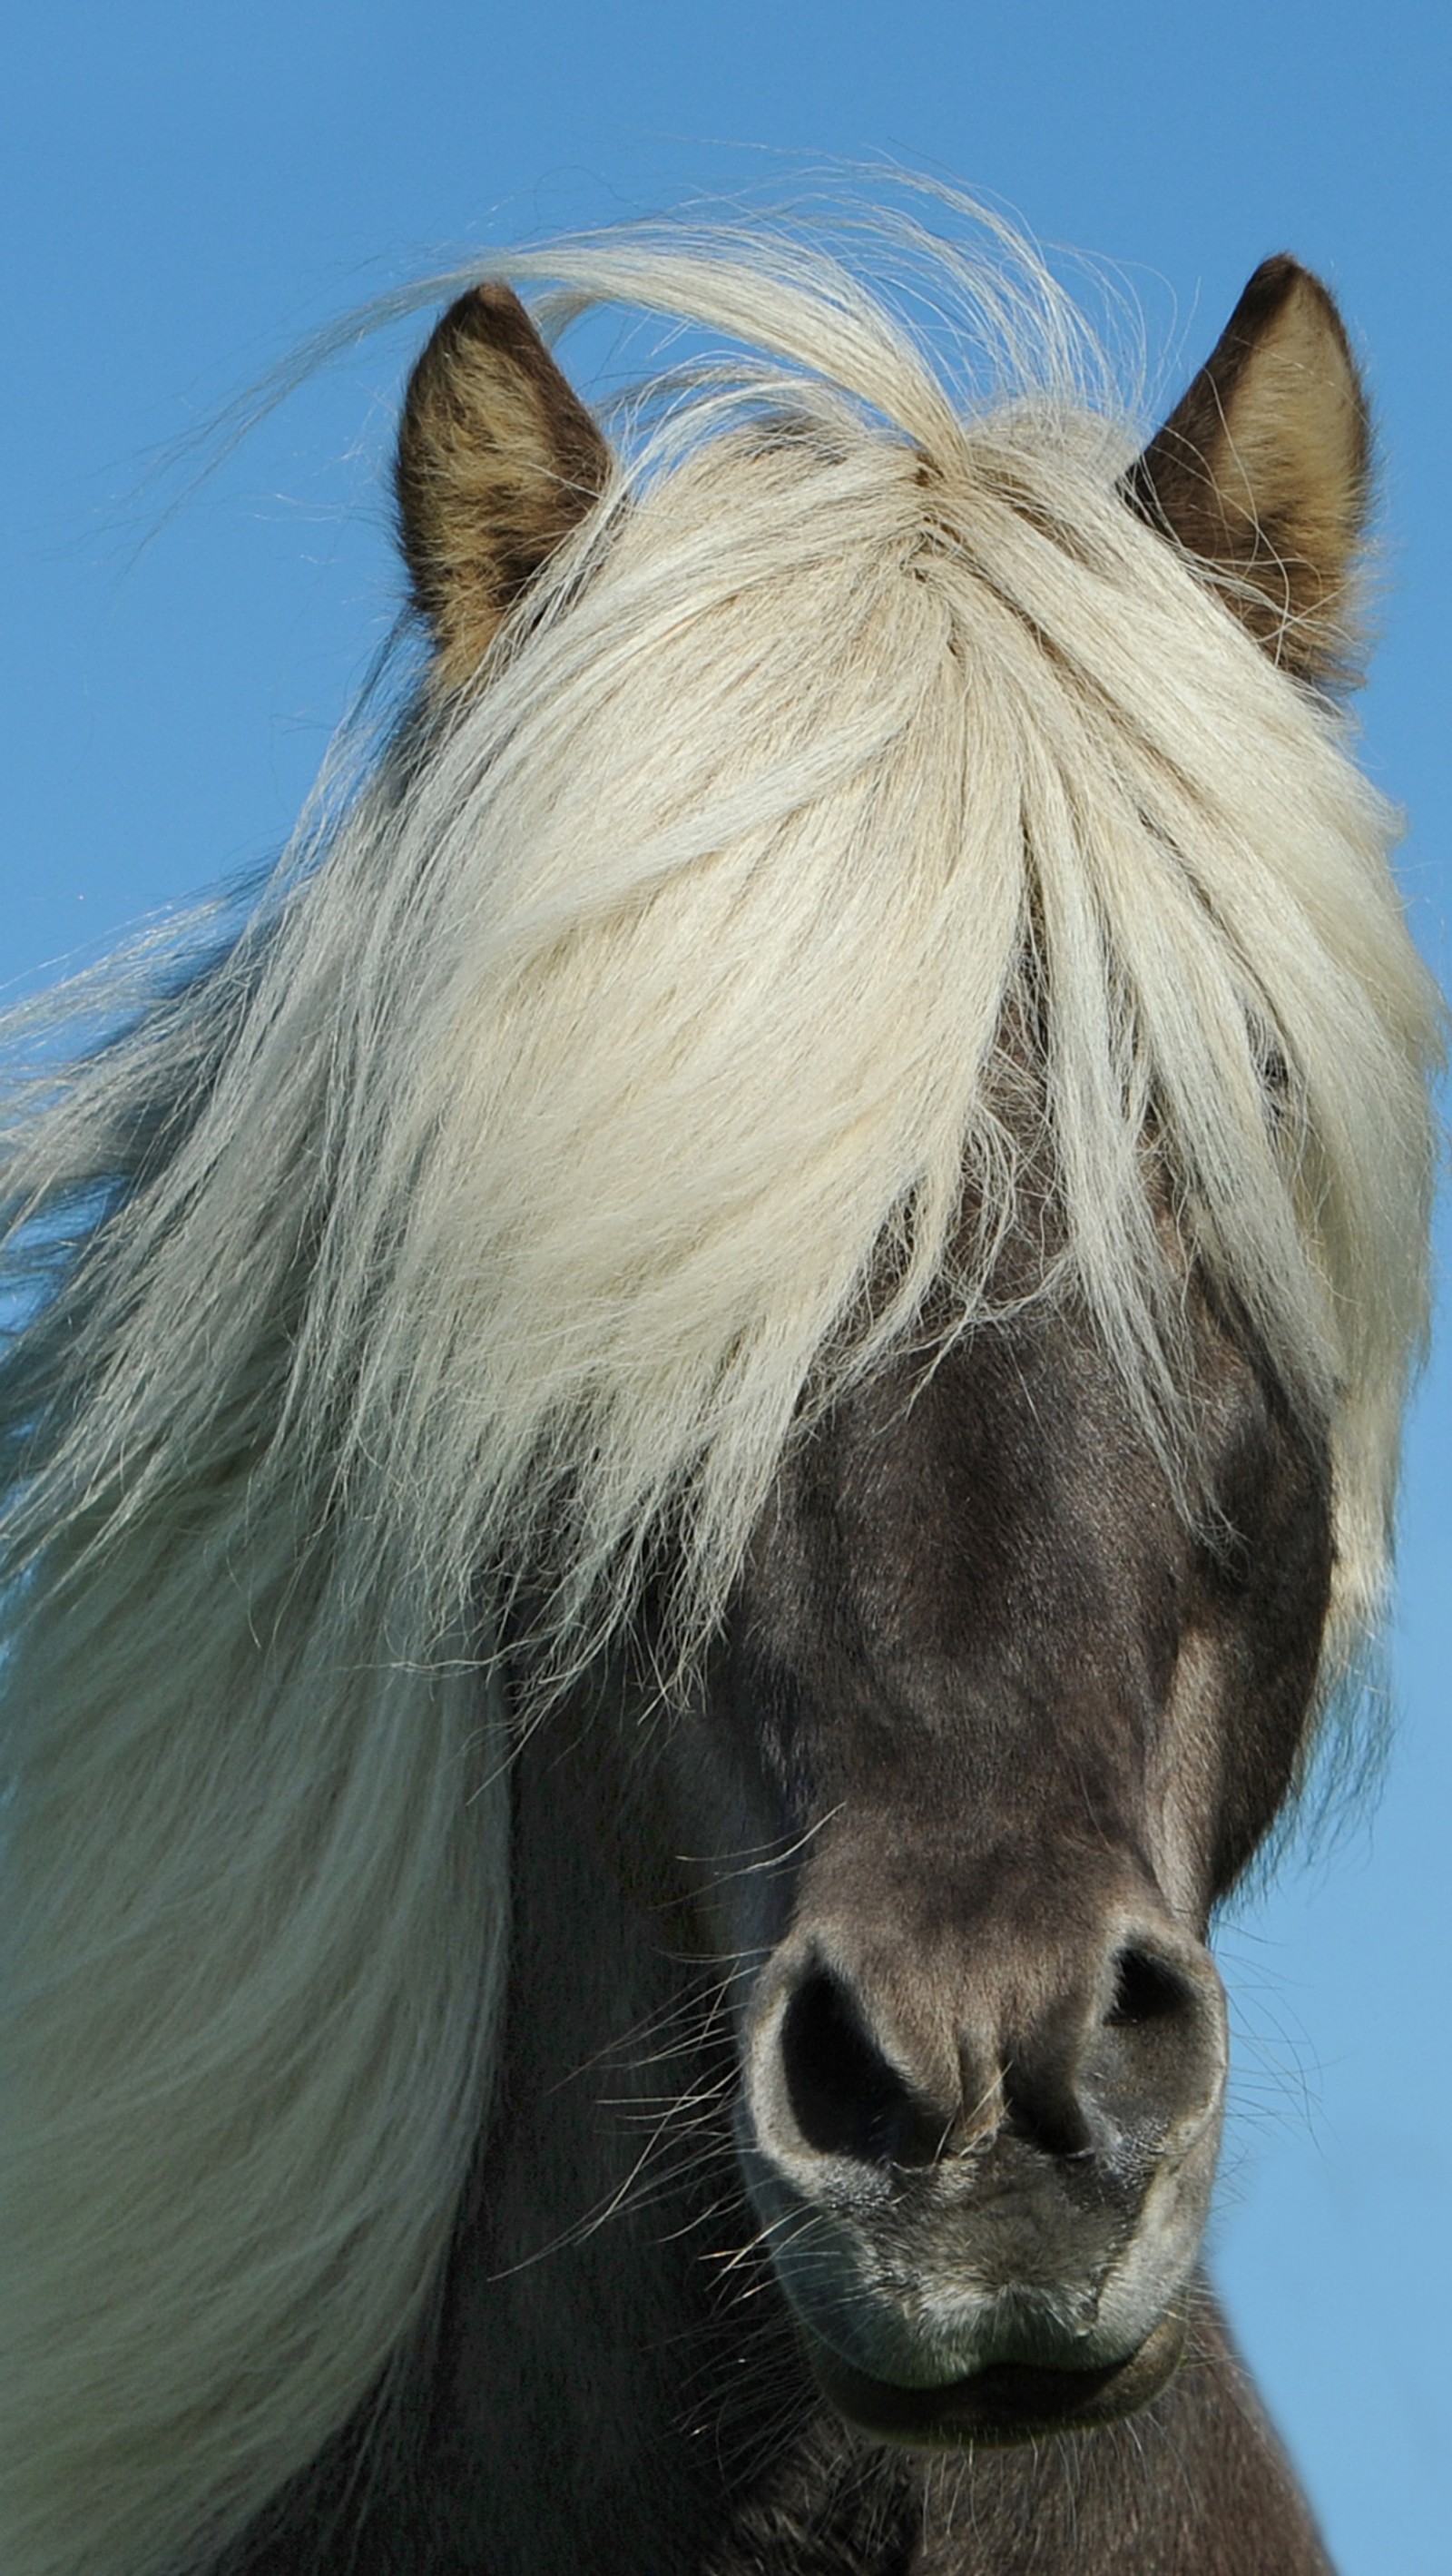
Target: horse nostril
{"points": [[1160, 2053], [845, 2097], [1146, 1989]]}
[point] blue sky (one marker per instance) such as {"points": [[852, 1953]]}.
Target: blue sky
{"points": [[187, 190]]}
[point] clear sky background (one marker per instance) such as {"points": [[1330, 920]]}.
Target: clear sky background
{"points": [[188, 189]]}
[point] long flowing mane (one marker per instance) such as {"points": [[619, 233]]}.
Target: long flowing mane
{"points": [[496, 1203]]}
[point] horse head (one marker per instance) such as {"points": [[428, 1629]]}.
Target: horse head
{"points": [[1006, 1695]]}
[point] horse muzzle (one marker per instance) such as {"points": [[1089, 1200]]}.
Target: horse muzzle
{"points": [[985, 2222]]}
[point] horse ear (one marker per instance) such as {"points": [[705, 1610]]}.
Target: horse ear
{"points": [[1262, 469], [498, 460]]}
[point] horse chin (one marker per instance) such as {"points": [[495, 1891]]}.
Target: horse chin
{"points": [[1004, 2403]]}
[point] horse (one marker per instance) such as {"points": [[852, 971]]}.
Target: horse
{"points": [[699, 1431]]}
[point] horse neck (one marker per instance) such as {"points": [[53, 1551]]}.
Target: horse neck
{"points": [[579, 2327]]}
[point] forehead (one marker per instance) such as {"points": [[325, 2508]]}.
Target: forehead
{"points": [[957, 1486], [1002, 1500]]}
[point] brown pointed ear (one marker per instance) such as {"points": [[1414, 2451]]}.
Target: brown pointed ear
{"points": [[1262, 469], [497, 461]]}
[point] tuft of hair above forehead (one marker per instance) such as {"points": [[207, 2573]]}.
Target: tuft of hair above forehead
{"points": [[844, 717]]}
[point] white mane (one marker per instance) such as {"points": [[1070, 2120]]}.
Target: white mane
{"points": [[496, 1202]]}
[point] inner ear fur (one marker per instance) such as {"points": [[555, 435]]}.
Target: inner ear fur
{"points": [[498, 460], [1262, 471]]}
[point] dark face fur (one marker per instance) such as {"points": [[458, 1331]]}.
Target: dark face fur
{"points": [[1013, 1726]]}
